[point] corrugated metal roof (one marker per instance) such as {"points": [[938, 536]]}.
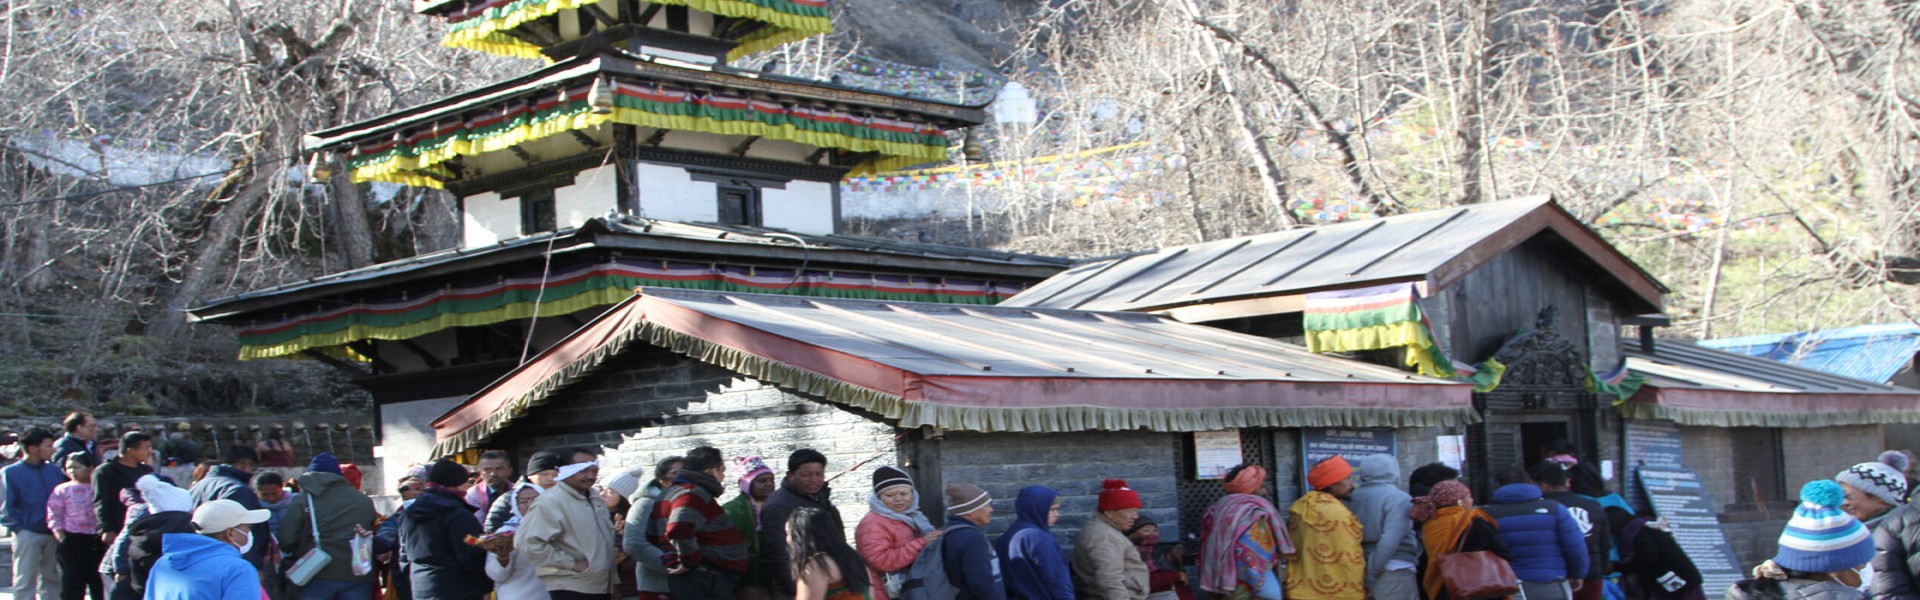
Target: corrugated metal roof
{"points": [[993, 341], [1685, 364], [1437, 247], [981, 368], [719, 242], [1868, 352]]}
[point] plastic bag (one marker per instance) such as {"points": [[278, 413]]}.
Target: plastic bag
{"points": [[362, 545]]}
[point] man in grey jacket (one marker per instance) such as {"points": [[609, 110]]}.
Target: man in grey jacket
{"points": [[1896, 562], [1386, 532]]}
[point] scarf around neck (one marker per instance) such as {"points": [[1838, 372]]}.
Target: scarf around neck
{"points": [[912, 516]]}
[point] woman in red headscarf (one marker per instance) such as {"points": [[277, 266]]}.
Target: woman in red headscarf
{"points": [[1242, 538], [1449, 524]]}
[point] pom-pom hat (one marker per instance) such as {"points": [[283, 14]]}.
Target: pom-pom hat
{"points": [[1877, 479], [1821, 539], [1115, 495]]}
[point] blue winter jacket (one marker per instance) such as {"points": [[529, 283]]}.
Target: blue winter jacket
{"points": [[1030, 558], [28, 486], [1542, 536], [970, 562], [197, 567]]}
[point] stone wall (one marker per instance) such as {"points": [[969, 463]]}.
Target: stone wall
{"points": [[1073, 464], [648, 405], [1805, 455]]}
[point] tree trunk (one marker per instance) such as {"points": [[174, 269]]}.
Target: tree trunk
{"points": [[350, 217], [214, 251]]}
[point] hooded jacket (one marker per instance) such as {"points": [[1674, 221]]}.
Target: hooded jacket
{"points": [[197, 567], [565, 526], [648, 574], [773, 540], [223, 482], [1386, 532], [1106, 564], [1031, 562], [1544, 539], [339, 508], [433, 536]]}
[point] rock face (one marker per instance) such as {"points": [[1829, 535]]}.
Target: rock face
{"points": [[947, 33]]}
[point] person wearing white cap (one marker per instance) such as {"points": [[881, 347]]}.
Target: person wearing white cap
{"points": [[208, 565], [568, 536]]}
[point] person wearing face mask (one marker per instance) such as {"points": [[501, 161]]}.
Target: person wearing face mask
{"points": [[1031, 562], [1166, 570], [894, 531], [1821, 552], [208, 565]]}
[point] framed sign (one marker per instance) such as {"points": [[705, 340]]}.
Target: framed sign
{"points": [[1214, 452]]}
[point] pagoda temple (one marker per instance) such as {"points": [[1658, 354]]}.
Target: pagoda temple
{"points": [[634, 157]]}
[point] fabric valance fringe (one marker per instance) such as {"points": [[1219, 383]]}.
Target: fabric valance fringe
{"points": [[915, 414], [1743, 418], [572, 290], [787, 21], [415, 160]]}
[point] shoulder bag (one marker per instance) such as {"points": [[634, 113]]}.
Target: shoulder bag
{"points": [[1477, 574], [314, 560]]}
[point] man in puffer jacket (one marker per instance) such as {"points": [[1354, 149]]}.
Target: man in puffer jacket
{"points": [[1549, 552], [1386, 532], [568, 537], [433, 536], [1896, 560]]}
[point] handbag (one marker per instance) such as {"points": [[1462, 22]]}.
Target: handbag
{"points": [[314, 560], [1477, 574]]}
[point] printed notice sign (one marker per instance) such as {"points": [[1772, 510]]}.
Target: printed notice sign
{"points": [[1214, 452], [1320, 444], [1679, 499]]}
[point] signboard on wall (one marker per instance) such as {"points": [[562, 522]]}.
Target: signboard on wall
{"points": [[1662, 481], [1320, 444], [1681, 502], [1214, 452]]}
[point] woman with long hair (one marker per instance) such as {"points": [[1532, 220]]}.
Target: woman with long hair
{"points": [[824, 566]]}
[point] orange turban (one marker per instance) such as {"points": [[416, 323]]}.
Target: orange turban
{"points": [[1328, 472], [1248, 480]]}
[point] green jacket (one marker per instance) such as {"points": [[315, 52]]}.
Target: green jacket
{"points": [[740, 511], [339, 507]]}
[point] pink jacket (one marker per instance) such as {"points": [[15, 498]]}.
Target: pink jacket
{"points": [[888, 546]]}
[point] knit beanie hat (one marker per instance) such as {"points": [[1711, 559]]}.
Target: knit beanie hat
{"points": [[542, 461], [889, 476], [1114, 495], [1328, 472], [963, 498], [447, 473], [1821, 539], [1878, 479], [324, 463], [748, 468]]}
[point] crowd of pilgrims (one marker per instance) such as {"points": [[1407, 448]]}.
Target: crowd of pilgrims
{"points": [[560, 532]]}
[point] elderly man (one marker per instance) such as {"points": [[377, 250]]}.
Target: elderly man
{"points": [[198, 566], [570, 536], [1105, 564], [1328, 563]]}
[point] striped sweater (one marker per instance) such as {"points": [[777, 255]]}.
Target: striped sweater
{"points": [[692, 529]]}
